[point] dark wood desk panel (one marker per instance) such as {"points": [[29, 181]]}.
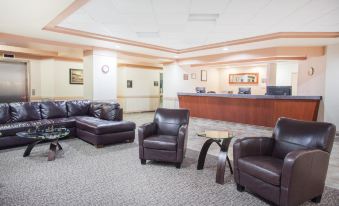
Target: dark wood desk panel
{"points": [[256, 111]]}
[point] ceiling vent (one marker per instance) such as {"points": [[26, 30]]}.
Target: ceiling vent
{"points": [[8, 55], [148, 34], [203, 17]]}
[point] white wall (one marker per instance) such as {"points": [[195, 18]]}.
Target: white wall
{"points": [[50, 79], [284, 73], [259, 89], [331, 99], [143, 96], [174, 82]]}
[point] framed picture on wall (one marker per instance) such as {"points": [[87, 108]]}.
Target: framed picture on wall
{"points": [[156, 83], [76, 76], [185, 76], [193, 76], [203, 75], [129, 83]]}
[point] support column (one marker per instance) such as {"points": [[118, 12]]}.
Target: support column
{"points": [[100, 75]]}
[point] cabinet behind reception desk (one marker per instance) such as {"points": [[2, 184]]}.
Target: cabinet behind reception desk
{"points": [[262, 110]]}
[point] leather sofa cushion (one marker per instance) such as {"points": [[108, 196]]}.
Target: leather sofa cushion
{"points": [[50, 110], [102, 110], [161, 142], [168, 121], [10, 129], [109, 112], [100, 126], [77, 108], [265, 168], [24, 111], [4, 113]]}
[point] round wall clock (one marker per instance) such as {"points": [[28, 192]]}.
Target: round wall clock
{"points": [[105, 69]]}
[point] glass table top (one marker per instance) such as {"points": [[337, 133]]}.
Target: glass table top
{"points": [[46, 133], [216, 134]]}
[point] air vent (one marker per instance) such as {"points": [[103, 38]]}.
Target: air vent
{"points": [[148, 34], [9, 56], [203, 17]]}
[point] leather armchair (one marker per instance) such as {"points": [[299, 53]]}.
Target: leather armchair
{"points": [[289, 168], [164, 139]]}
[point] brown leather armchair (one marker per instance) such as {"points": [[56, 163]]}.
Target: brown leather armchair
{"points": [[164, 139], [289, 168]]}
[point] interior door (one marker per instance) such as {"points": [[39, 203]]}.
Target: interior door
{"points": [[13, 81]]}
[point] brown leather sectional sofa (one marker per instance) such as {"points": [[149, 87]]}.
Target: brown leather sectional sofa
{"points": [[98, 123]]}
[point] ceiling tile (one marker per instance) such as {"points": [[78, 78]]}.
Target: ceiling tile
{"points": [[171, 6], [209, 7]]}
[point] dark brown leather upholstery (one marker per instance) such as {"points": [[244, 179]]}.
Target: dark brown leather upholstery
{"points": [[17, 117], [289, 168], [165, 139], [4, 113], [50, 110], [78, 108], [24, 111]]}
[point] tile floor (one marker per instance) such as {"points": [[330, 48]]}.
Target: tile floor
{"points": [[241, 130]]}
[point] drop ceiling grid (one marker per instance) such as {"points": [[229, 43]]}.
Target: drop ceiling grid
{"points": [[168, 25]]}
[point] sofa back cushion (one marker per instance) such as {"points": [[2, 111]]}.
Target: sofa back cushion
{"points": [[169, 121], [4, 113], [291, 134], [77, 108], [105, 110], [53, 109], [25, 111]]}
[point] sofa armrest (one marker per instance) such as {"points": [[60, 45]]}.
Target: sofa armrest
{"points": [[303, 170], [120, 115], [250, 146], [145, 131], [182, 142]]}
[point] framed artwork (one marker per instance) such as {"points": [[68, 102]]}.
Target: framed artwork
{"points": [[129, 83], [193, 76], [156, 83], [244, 78], [185, 76], [76, 76], [203, 75]]}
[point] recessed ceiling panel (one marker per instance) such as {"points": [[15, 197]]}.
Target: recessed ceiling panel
{"points": [[181, 24]]}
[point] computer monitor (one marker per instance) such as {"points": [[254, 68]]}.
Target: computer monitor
{"points": [[244, 90], [278, 90], [200, 89]]}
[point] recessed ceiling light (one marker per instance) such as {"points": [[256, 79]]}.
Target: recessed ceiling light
{"points": [[117, 46], [148, 34], [203, 17], [225, 49], [176, 56]]}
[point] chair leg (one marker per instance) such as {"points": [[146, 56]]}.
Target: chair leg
{"points": [[143, 162], [317, 199], [240, 188], [178, 165]]}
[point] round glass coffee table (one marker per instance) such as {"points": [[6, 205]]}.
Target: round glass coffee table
{"points": [[223, 139], [40, 135]]}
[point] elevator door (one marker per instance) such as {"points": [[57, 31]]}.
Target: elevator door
{"points": [[13, 81]]}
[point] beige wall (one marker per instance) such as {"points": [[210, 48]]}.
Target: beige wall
{"points": [[258, 89], [143, 96], [174, 82], [50, 79]]}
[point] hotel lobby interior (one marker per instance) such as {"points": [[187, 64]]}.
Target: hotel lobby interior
{"points": [[169, 102]]}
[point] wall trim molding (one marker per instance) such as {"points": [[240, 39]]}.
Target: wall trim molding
{"points": [[139, 97]]}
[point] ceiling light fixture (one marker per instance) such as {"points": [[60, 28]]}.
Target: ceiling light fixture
{"points": [[225, 49], [203, 17], [117, 46], [176, 56], [148, 34]]}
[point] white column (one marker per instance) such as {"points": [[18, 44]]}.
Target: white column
{"points": [[331, 99], [100, 75]]}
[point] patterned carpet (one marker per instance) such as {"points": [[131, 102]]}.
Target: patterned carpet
{"points": [[84, 175], [113, 175]]}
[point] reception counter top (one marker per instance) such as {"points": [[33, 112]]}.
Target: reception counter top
{"points": [[262, 110], [249, 96]]}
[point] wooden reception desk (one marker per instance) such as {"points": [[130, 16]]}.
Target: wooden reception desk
{"points": [[263, 110]]}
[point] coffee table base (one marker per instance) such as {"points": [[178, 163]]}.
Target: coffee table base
{"points": [[52, 149], [222, 158]]}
